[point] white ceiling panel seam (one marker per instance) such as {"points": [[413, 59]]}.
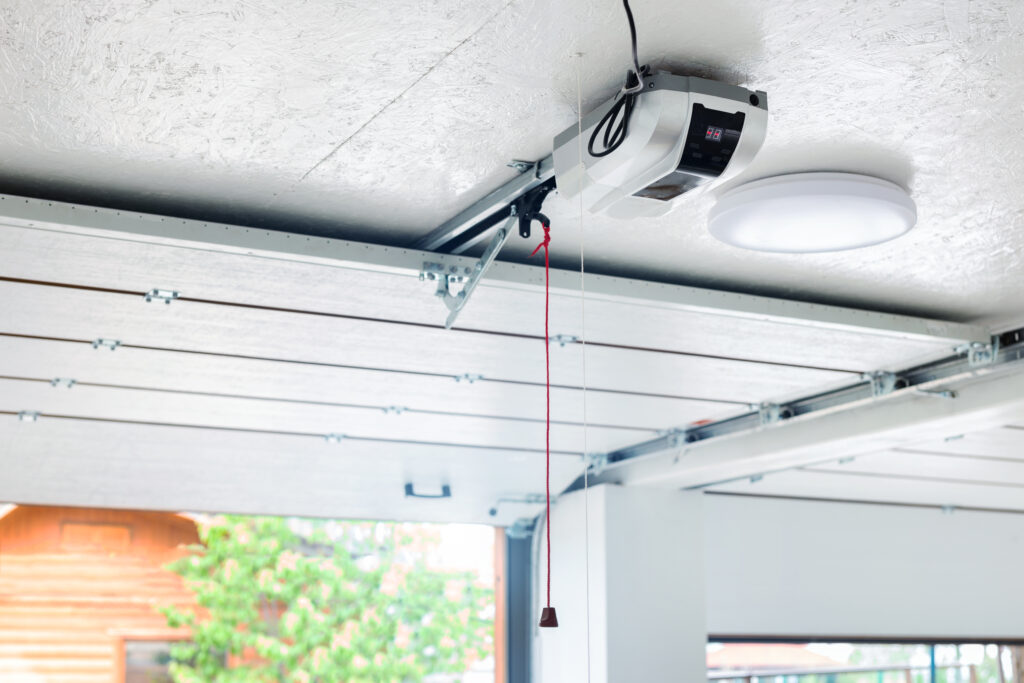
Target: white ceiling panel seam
{"points": [[354, 406], [591, 342], [271, 432], [130, 366], [255, 245], [495, 380], [913, 477]]}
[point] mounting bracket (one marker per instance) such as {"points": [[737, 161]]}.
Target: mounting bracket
{"points": [[527, 499], [596, 462], [882, 382], [456, 302], [769, 413], [980, 354]]}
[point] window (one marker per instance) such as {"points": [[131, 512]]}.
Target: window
{"points": [[146, 661]]}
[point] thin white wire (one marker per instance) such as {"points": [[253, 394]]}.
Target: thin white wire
{"points": [[583, 348]]}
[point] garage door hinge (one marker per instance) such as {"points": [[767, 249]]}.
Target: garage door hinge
{"points": [[165, 295], [394, 410], [563, 339], [334, 438], [111, 344], [29, 416], [468, 377], [65, 382], [980, 354]]}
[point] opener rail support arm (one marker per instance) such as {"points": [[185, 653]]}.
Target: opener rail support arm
{"points": [[456, 302]]}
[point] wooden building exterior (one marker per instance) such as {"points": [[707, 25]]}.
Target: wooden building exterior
{"points": [[79, 590]]}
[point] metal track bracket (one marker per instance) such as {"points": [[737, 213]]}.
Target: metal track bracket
{"points": [[882, 382], [979, 354], [444, 278]]}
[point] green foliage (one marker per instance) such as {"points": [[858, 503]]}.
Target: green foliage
{"points": [[324, 602]]}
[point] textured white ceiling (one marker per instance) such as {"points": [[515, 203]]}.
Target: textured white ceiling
{"points": [[377, 121]]}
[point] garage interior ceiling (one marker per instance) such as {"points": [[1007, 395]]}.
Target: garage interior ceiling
{"points": [[377, 123], [307, 120]]}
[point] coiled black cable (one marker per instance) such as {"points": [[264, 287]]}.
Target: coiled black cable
{"points": [[616, 127]]}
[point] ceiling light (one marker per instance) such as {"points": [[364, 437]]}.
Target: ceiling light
{"points": [[812, 212]]}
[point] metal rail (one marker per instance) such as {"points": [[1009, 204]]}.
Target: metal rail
{"points": [[469, 226], [751, 675], [1003, 351]]}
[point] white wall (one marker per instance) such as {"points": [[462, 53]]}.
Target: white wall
{"points": [[646, 588], [802, 568]]}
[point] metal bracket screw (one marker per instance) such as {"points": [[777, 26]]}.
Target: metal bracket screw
{"points": [[62, 382], [468, 377], [165, 295], [563, 339], [111, 344], [521, 165], [443, 275], [334, 438], [29, 415]]}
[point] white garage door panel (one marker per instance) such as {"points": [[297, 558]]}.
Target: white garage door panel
{"points": [[953, 468], [271, 379], [998, 443], [810, 484], [62, 312], [205, 274], [67, 462], [151, 406]]}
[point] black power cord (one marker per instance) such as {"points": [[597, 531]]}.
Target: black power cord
{"points": [[615, 123]]}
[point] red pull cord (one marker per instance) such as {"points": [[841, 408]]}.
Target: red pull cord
{"points": [[547, 367]]}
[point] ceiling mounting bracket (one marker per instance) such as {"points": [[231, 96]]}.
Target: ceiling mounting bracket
{"points": [[471, 277]]}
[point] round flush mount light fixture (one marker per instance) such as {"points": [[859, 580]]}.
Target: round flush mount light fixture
{"points": [[812, 212]]}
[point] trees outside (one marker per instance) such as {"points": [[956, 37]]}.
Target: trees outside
{"points": [[325, 602]]}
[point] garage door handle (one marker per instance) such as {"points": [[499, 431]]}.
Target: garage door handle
{"points": [[446, 492]]}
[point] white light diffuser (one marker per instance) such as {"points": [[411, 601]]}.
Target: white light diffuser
{"points": [[812, 212]]}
